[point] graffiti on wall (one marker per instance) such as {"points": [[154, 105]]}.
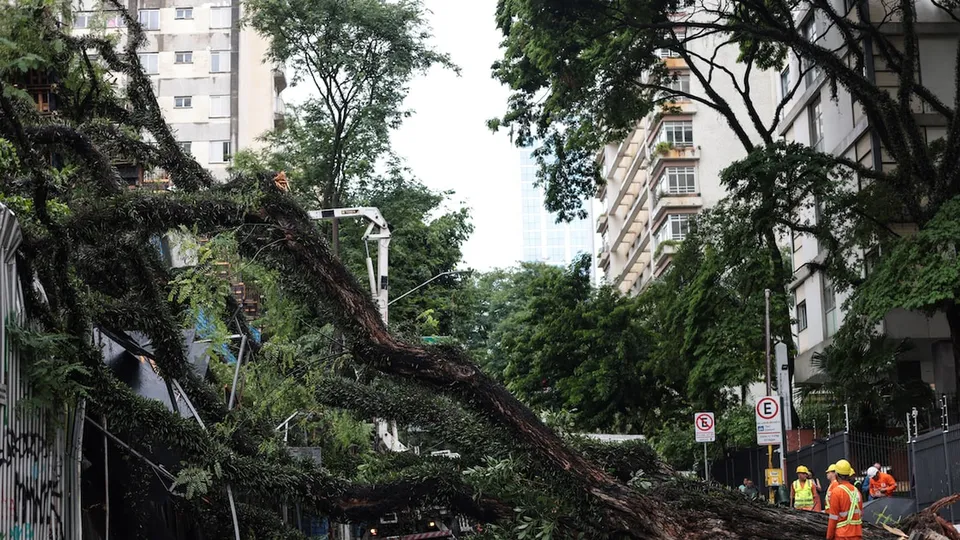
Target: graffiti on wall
{"points": [[35, 498]]}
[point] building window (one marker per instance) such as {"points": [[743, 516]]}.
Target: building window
{"points": [[677, 133], [219, 61], [115, 20], [183, 57], [149, 19], [82, 20], [829, 306], [221, 17], [816, 125], [182, 102], [150, 63], [785, 81], [219, 106], [802, 316], [220, 151], [675, 228], [185, 146], [678, 83], [796, 238], [809, 30], [679, 180], [184, 13]]}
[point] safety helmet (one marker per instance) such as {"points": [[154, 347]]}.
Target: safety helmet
{"points": [[832, 468], [802, 469], [844, 468], [871, 472]]}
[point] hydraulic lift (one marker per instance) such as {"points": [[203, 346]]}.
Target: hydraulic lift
{"points": [[377, 230]]}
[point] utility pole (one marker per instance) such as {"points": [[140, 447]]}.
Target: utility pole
{"points": [[766, 298]]}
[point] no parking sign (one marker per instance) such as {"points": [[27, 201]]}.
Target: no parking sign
{"points": [[705, 427]]}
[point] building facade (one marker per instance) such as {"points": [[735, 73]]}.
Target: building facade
{"points": [[545, 240], [213, 82], [839, 126], [667, 170]]}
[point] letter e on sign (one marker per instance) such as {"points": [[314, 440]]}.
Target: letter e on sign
{"points": [[705, 427]]}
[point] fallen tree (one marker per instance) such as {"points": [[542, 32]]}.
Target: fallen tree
{"points": [[87, 244]]}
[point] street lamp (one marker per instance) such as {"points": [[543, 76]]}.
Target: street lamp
{"points": [[438, 276]]}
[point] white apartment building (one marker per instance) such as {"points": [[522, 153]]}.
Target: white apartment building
{"points": [[667, 170], [210, 75], [545, 240], [840, 127]]}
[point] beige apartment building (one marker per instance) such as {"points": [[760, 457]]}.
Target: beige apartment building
{"points": [[667, 170], [840, 127], [210, 74]]}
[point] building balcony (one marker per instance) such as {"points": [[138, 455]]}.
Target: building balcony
{"points": [[603, 260], [279, 111], [637, 261], [279, 79], [660, 157], [602, 224], [634, 222], [666, 203], [633, 183], [662, 256], [632, 146], [675, 63]]}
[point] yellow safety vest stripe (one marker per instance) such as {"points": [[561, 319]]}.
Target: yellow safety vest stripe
{"points": [[853, 515], [803, 495]]}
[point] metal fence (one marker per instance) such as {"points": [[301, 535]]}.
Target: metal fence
{"points": [[39, 473], [935, 467], [861, 449]]}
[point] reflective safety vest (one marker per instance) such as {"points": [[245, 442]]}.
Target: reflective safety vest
{"points": [[803, 495], [851, 517], [826, 502]]}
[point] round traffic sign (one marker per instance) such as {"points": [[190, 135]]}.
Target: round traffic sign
{"points": [[704, 422], [768, 408]]}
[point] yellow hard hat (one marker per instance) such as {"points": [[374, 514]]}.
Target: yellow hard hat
{"points": [[832, 468], [844, 468], [802, 469]]}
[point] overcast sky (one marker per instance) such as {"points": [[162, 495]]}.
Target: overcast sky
{"points": [[446, 142]]}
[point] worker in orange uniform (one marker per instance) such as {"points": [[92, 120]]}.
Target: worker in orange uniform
{"points": [[831, 483], [846, 508], [881, 483], [803, 491]]}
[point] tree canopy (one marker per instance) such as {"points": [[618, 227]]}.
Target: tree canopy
{"points": [[88, 261]]}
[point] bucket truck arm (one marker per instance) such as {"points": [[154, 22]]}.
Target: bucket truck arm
{"points": [[377, 229]]}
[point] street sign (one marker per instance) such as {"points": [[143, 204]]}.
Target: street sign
{"points": [[768, 421], [705, 427]]}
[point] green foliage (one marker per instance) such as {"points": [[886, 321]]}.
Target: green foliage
{"points": [[427, 240], [921, 272], [196, 481], [360, 56], [56, 381]]}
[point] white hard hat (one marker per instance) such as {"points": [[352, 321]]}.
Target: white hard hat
{"points": [[871, 472]]}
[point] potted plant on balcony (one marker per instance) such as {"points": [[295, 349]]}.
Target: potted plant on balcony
{"points": [[663, 148]]}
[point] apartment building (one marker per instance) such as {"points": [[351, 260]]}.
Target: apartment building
{"points": [[667, 170], [545, 240], [210, 74], [840, 127]]}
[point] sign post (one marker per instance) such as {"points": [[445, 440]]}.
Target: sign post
{"points": [[770, 432], [705, 428]]}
